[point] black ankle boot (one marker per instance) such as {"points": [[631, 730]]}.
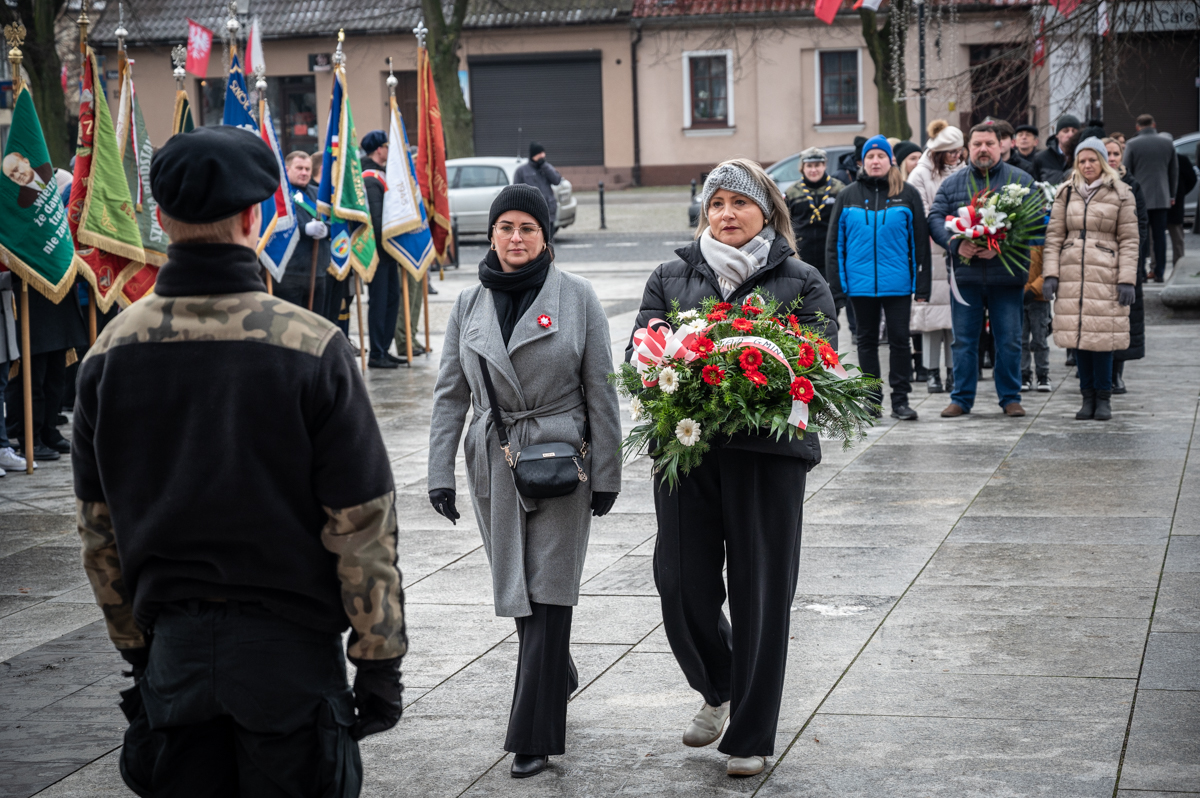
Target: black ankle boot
{"points": [[934, 383], [1103, 407], [1089, 405], [526, 765], [1118, 376]]}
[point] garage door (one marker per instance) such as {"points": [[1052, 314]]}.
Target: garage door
{"points": [[551, 98]]}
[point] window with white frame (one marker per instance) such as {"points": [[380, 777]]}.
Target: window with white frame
{"points": [[839, 88], [708, 89]]}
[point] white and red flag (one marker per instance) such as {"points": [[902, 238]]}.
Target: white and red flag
{"points": [[199, 47], [254, 51]]}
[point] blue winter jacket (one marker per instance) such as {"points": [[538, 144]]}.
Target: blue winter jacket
{"points": [[879, 243], [955, 192]]}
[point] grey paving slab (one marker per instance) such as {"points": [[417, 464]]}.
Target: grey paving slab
{"points": [[882, 505], [1164, 742], [1112, 444], [100, 779], [42, 571], [467, 580], [1178, 606], [873, 570], [1088, 497], [1044, 564], [1183, 555], [1172, 662], [926, 534], [1082, 529], [629, 576], [1081, 602]]}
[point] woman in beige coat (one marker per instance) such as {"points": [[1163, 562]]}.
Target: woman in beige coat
{"points": [[1090, 262]]}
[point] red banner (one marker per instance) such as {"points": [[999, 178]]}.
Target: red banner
{"points": [[1039, 46], [199, 47], [826, 10], [431, 155]]}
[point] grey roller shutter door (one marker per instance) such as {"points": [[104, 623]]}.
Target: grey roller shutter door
{"points": [[551, 98]]}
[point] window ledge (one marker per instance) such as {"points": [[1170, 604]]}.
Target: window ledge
{"points": [[709, 131], [847, 128]]}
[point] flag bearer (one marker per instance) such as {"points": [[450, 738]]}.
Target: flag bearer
{"points": [[298, 281], [237, 508]]}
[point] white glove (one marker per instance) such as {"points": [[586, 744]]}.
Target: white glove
{"points": [[316, 229]]}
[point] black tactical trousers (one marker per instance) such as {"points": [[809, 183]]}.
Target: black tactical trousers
{"points": [[744, 510], [546, 677], [237, 701], [49, 381]]}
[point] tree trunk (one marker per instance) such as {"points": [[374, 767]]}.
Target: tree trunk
{"points": [[45, 72], [893, 116], [443, 43]]}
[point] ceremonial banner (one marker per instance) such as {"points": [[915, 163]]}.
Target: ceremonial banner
{"points": [[826, 10], [199, 47], [35, 240], [136, 152], [100, 211], [431, 155], [254, 52], [181, 122], [277, 241], [406, 235], [342, 197]]}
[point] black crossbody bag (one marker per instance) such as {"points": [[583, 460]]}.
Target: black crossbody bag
{"points": [[541, 471]]}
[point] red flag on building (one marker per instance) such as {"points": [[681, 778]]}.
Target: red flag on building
{"points": [[1065, 7], [826, 10], [431, 155], [199, 47], [1039, 46]]}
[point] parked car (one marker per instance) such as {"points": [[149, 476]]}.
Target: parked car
{"points": [[475, 182], [1187, 145], [784, 173]]}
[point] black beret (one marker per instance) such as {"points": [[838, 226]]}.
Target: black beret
{"points": [[212, 173], [373, 141], [520, 197], [1028, 129]]}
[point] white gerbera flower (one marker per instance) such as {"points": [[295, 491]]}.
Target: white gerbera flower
{"points": [[689, 315], [668, 380], [636, 411], [687, 432]]}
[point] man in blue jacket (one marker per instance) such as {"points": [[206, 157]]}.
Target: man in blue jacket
{"points": [[981, 280]]}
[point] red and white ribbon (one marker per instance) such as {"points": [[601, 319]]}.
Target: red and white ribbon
{"points": [[656, 343], [798, 418]]}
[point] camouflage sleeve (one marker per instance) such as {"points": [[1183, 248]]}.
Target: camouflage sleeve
{"points": [[104, 572], [364, 539]]}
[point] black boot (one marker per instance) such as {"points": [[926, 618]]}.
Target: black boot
{"points": [[934, 382], [1118, 376], [1103, 407], [526, 765], [1070, 357], [1089, 404]]}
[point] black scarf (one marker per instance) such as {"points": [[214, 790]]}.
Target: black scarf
{"points": [[513, 292]]}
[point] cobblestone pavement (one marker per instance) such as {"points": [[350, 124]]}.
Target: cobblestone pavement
{"points": [[987, 607]]}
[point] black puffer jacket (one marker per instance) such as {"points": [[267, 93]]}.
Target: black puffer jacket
{"points": [[1137, 311], [689, 280]]}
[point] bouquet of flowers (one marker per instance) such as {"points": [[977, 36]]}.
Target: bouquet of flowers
{"points": [[1008, 222], [723, 369]]}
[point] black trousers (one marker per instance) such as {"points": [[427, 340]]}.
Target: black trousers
{"points": [[546, 677], [239, 702], [384, 308], [897, 311], [1158, 239], [337, 300], [49, 375], [743, 509], [294, 288]]}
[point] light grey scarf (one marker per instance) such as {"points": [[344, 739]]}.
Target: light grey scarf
{"points": [[734, 266]]}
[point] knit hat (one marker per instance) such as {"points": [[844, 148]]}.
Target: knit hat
{"points": [[732, 177], [1028, 129], [1094, 144], [948, 138], [1066, 121], [814, 155], [905, 149], [859, 141], [373, 141], [535, 149], [520, 197], [879, 142]]}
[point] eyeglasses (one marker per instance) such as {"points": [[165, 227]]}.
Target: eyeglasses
{"points": [[526, 231]]}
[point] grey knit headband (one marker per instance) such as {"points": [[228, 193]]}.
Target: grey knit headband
{"points": [[736, 179]]}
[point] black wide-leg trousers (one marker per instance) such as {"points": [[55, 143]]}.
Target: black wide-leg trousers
{"points": [[745, 509], [546, 677]]}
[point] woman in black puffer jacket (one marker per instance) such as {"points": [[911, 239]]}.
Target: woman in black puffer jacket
{"points": [[742, 504], [1137, 311]]}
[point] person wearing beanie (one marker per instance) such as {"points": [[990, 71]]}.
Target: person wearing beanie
{"points": [[810, 201], [1051, 163], [907, 156], [528, 348], [880, 242], [249, 567], [850, 163], [538, 173], [383, 308], [942, 157]]}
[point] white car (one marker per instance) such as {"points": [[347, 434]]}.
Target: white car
{"points": [[475, 182]]}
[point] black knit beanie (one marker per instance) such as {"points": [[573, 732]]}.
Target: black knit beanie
{"points": [[520, 197], [904, 149], [535, 149]]}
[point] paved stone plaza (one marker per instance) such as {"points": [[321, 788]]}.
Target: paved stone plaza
{"points": [[987, 607]]}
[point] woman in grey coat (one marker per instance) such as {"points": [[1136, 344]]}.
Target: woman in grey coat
{"points": [[544, 337]]}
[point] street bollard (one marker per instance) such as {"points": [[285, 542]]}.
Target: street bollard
{"points": [[693, 188], [603, 226]]}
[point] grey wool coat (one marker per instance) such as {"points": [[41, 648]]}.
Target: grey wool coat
{"points": [[550, 382]]}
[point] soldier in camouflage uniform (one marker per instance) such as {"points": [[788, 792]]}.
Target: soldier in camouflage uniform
{"points": [[236, 506]]}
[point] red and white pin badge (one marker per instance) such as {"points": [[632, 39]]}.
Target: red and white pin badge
{"points": [[544, 320]]}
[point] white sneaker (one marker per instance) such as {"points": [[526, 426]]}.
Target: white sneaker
{"points": [[745, 765], [707, 726], [2, 472], [11, 460]]}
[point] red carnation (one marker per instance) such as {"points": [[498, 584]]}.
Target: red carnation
{"points": [[756, 378], [742, 325], [802, 390], [750, 359], [751, 310], [712, 374], [704, 346], [716, 315], [828, 356], [722, 307], [807, 356]]}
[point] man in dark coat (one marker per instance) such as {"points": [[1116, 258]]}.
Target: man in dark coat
{"points": [[1151, 159], [384, 288], [1008, 150], [304, 275], [1050, 163], [1025, 140], [237, 508], [538, 173]]}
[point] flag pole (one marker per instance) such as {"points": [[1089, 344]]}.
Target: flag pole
{"points": [[260, 85], [83, 23], [392, 82], [15, 34], [425, 290], [362, 349]]}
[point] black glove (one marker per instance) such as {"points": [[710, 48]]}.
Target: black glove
{"points": [[1049, 288], [602, 502], [138, 659], [377, 691], [442, 500], [1125, 295]]}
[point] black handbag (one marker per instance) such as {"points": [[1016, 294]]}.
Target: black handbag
{"points": [[541, 471]]}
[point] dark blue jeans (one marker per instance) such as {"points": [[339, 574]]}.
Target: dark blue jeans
{"points": [[1095, 370], [1004, 308]]}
